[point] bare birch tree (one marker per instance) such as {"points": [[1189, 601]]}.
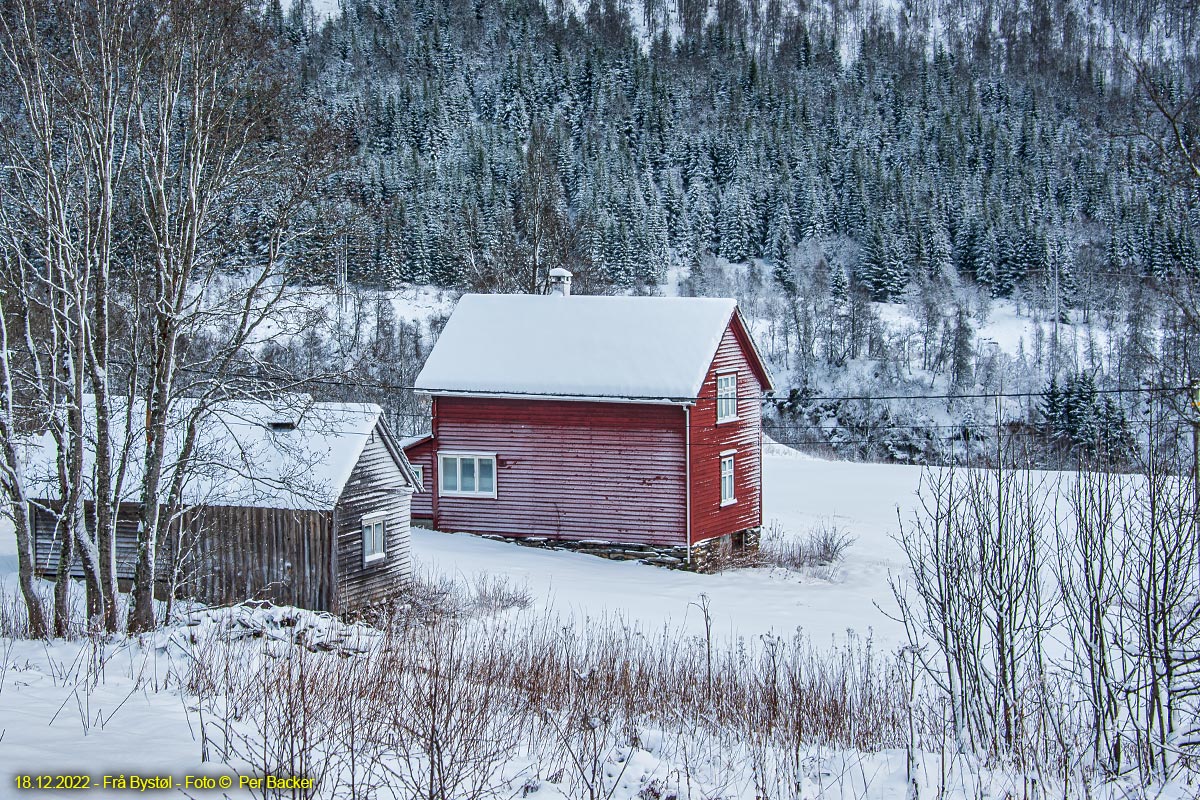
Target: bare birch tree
{"points": [[63, 150], [208, 136], [155, 174], [975, 610]]}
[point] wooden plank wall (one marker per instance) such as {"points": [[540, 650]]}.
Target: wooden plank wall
{"points": [[48, 545], [709, 439], [421, 455], [376, 486], [230, 554], [233, 553], [611, 472]]}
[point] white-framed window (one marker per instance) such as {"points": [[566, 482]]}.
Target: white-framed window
{"points": [[419, 471], [467, 474], [727, 495], [727, 397], [373, 528]]}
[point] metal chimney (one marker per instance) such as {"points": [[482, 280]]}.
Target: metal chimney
{"points": [[560, 282]]}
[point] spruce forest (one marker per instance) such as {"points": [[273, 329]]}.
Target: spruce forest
{"points": [[946, 221], [814, 159]]}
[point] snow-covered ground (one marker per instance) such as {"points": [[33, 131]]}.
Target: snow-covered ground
{"points": [[59, 715], [1010, 328], [53, 720], [799, 492]]}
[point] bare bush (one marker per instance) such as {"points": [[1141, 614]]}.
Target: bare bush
{"points": [[975, 552], [824, 545], [449, 731], [435, 596], [1002, 574], [438, 706], [14, 611], [496, 593]]}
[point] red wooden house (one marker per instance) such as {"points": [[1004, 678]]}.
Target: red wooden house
{"points": [[626, 425]]}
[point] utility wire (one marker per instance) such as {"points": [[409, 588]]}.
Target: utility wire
{"points": [[299, 382], [395, 387]]}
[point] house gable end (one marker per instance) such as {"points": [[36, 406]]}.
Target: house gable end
{"points": [[717, 438], [750, 349]]}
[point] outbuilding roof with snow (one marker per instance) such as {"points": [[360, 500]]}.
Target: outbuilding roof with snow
{"points": [[644, 348], [289, 452]]}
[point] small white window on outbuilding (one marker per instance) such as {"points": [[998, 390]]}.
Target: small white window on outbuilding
{"points": [[467, 475], [727, 410], [419, 471], [373, 545], [727, 494]]}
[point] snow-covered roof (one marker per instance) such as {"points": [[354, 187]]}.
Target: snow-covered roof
{"points": [[289, 453], [645, 348], [413, 441]]}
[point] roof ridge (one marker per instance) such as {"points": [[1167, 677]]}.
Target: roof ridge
{"points": [[584, 346]]}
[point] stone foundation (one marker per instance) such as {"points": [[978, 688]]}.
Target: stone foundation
{"points": [[707, 556]]}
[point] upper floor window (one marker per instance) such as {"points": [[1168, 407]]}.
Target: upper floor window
{"points": [[467, 475], [727, 397]]}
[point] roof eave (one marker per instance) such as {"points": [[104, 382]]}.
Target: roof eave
{"points": [[394, 450], [576, 398]]}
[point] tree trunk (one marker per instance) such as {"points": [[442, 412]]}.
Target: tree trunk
{"points": [[62, 581], [141, 617], [38, 627]]}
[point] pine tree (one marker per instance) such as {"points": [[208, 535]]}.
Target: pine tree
{"points": [[882, 267], [941, 258], [1052, 408], [839, 286], [817, 227], [702, 220], [873, 265], [779, 249], [983, 260]]}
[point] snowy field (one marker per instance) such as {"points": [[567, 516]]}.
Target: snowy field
{"points": [[54, 720], [60, 715], [799, 492]]}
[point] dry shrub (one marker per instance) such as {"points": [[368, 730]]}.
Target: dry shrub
{"points": [[496, 593], [14, 615], [822, 548], [432, 597], [438, 707]]}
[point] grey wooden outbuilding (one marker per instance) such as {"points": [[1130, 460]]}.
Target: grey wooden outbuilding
{"points": [[300, 504]]}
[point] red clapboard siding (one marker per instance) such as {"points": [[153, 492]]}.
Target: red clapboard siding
{"points": [[709, 519], [421, 455], [569, 470]]}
